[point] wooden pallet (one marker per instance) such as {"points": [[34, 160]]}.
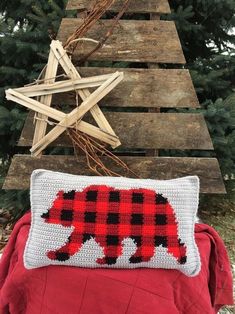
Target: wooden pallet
{"points": [[147, 130]]}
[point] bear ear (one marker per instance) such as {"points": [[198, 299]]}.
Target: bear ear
{"points": [[46, 215], [160, 199], [69, 195]]}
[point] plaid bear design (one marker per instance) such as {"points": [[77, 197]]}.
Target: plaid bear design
{"points": [[110, 215]]}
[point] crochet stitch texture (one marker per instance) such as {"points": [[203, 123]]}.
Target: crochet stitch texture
{"points": [[109, 216], [113, 222]]}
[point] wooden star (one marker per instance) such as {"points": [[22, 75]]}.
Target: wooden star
{"points": [[44, 92]]}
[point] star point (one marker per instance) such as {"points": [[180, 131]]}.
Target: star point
{"points": [[42, 104]]}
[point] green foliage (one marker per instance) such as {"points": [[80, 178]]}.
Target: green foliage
{"points": [[25, 31], [204, 26], [220, 117], [26, 28], [206, 32], [214, 77]]}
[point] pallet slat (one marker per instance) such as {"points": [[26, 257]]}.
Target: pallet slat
{"points": [[134, 41], [148, 167], [146, 130], [162, 88], [135, 6], [154, 41]]}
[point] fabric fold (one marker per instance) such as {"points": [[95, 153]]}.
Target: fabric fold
{"points": [[64, 289]]}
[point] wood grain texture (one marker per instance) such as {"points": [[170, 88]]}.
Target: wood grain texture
{"points": [[146, 130], [135, 6], [135, 41], [147, 167], [153, 152], [143, 88]]}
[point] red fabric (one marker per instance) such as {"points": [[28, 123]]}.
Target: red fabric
{"points": [[63, 290]]}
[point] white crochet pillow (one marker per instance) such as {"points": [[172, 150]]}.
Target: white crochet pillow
{"points": [[113, 222]]}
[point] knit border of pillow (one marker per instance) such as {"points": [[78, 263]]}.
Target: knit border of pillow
{"points": [[47, 238]]}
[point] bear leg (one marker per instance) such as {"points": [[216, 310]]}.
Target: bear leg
{"points": [[178, 250], [112, 249], [70, 248], [144, 252]]}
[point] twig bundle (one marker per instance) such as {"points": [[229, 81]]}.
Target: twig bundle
{"points": [[93, 151], [92, 148], [95, 14]]}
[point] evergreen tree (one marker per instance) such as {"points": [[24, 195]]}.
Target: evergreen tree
{"points": [[206, 30], [26, 29]]}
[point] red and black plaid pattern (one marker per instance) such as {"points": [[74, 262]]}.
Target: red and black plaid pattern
{"points": [[109, 216]]}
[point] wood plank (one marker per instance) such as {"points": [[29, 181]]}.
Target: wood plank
{"points": [[147, 167], [135, 6], [161, 88], [135, 41], [153, 152], [146, 130]]}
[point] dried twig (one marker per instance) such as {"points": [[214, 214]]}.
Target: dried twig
{"points": [[94, 151], [95, 14], [98, 10], [109, 33]]}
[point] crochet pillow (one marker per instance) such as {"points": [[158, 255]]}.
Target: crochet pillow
{"points": [[112, 222]]}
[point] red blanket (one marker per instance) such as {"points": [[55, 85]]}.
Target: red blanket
{"points": [[70, 290]]}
